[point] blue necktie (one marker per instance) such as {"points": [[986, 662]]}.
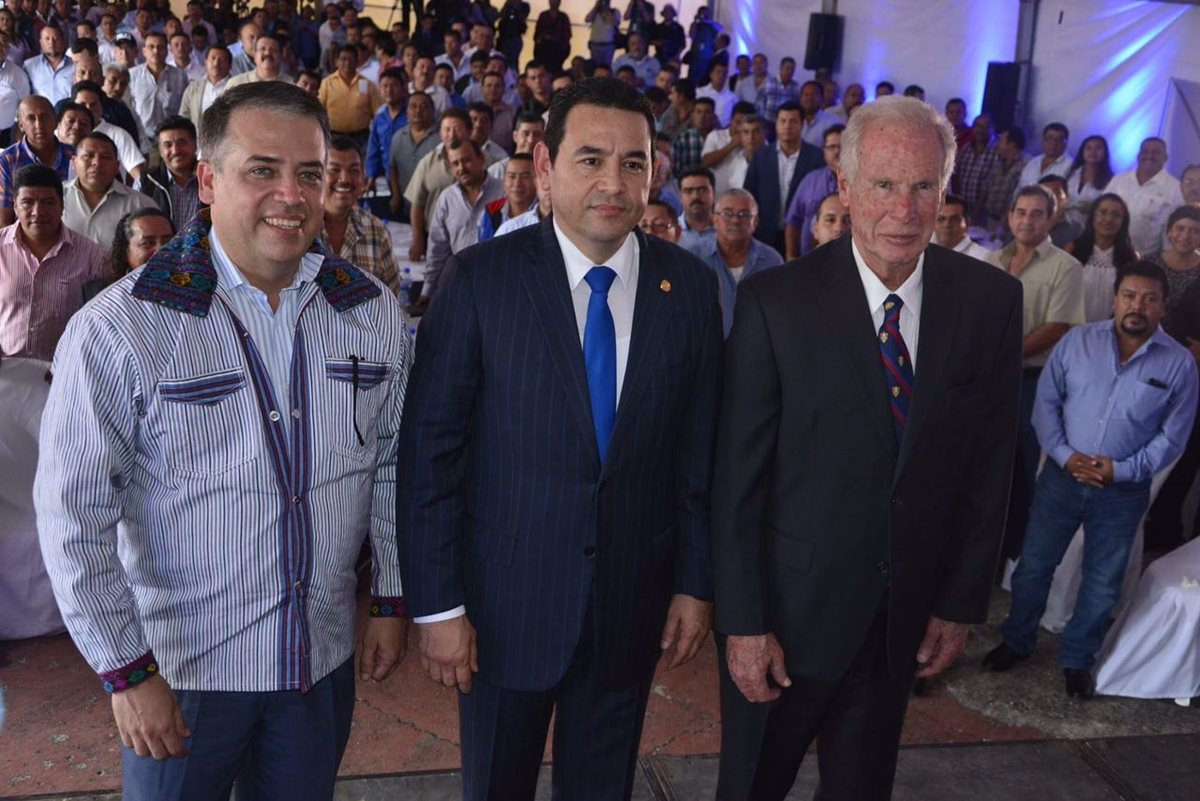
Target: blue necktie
{"points": [[897, 364], [600, 356]]}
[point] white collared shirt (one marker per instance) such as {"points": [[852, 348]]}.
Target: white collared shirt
{"points": [[787, 168], [621, 294], [910, 293]]}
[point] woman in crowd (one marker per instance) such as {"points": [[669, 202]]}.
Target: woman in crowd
{"points": [[832, 220], [1090, 173], [1181, 260], [1103, 248]]}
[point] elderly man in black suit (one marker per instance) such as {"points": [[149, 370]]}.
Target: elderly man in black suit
{"points": [[863, 462], [558, 437]]}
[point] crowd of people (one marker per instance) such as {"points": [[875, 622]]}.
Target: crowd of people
{"points": [[256, 162]]}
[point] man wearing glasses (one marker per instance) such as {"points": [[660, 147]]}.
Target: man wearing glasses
{"points": [[734, 254], [659, 220]]}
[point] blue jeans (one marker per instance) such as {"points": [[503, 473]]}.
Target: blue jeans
{"points": [[1110, 517], [272, 745]]}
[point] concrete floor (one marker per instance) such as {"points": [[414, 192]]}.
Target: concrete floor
{"points": [[60, 739]]}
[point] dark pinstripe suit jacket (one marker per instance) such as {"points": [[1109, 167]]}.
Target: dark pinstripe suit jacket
{"points": [[505, 506]]}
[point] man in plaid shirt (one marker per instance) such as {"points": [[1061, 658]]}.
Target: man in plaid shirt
{"points": [[777, 91], [687, 149], [974, 164], [350, 231]]}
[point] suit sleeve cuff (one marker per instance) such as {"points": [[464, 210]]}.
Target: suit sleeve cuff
{"points": [[449, 614], [384, 606], [122, 678]]}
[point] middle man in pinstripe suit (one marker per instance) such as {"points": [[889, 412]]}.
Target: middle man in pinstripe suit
{"points": [[558, 439]]}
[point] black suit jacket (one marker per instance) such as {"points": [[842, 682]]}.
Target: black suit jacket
{"points": [[505, 506], [817, 514], [762, 181]]}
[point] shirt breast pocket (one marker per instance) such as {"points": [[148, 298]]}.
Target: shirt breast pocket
{"points": [[360, 388], [206, 422], [1146, 403]]}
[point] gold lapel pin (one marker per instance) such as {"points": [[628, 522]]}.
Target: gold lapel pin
{"points": [[665, 286]]}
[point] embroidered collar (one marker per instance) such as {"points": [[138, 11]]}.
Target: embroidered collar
{"points": [[181, 276]]}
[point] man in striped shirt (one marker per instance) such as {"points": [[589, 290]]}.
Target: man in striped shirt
{"points": [[218, 443]]}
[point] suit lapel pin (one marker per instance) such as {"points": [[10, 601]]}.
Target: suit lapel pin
{"points": [[665, 286], [883, 337], [895, 392]]}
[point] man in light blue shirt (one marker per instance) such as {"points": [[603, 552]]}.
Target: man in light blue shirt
{"points": [[1114, 406], [734, 254], [52, 72]]}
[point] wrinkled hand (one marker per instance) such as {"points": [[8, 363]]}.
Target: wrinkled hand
{"points": [[382, 647], [448, 651], [150, 721], [688, 622], [943, 642], [751, 659]]}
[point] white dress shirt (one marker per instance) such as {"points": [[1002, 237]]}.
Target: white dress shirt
{"points": [[787, 168], [1150, 204], [910, 293], [1033, 170], [621, 297], [723, 99], [730, 173]]}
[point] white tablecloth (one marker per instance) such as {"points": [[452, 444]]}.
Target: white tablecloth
{"points": [[27, 606], [1153, 650]]}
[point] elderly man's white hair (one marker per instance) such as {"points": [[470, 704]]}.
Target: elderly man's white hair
{"points": [[736, 192], [901, 112]]}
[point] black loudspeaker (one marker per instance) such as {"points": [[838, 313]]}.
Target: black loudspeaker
{"points": [[1000, 93], [824, 42]]}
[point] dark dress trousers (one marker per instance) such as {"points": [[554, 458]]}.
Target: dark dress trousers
{"points": [[828, 532], [506, 507]]}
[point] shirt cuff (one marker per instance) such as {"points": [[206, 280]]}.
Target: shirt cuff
{"points": [[449, 614], [1123, 471], [139, 670], [1061, 454], [384, 606]]}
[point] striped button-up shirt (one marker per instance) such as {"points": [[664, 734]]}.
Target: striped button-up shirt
{"points": [[210, 469], [37, 298], [16, 156]]}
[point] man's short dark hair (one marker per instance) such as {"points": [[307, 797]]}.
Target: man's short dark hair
{"points": [[100, 137], [86, 86], [1057, 126], [626, 68], [742, 107], [1016, 136], [602, 92], [655, 94], [534, 64], [455, 114], [836, 128], [478, 57], [787, 60], [790, 105], [37, 175], [346, 48], [891, 87], [528, 117], [176, 123], [955, 200], [73, 106], [483, 108], [1047, 180], [118, 255], [87, 45], [706, 101], [521, 157], [396, 73], [458, 144], [344, 143], [914, 90], [1145, 269], [699, 172], [277, 96], [956, 101], [213, 47], [684, 87], [1036, 190]]}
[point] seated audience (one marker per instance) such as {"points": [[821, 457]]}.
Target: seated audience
{"points": [[38, 145], [951, 226], [268, 64], [832, 220], [74, 123], [813, 189], [202, 91], [138, 236], [95, 200], [44, 266], [173, 184], [727, 151], [1151, 193], [351, 231], [1180, 258], [1103, 248], [1055, 158], [1062, 230], [91, 96], [658, 219], [734, 254], [520, 195], [1089, 176]]}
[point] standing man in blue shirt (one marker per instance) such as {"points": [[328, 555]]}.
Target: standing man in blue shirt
{"points": [[1140, 384]]}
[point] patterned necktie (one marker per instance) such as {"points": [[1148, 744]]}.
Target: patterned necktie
{"points": [[897, 364], [600, 356]]}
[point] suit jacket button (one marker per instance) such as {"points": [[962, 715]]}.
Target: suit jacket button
{"points": [[604, 483], [896, 502], [883, 567], [590, 552]]}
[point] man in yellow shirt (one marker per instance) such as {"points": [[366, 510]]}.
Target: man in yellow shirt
{"points": [[350, 99]]}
